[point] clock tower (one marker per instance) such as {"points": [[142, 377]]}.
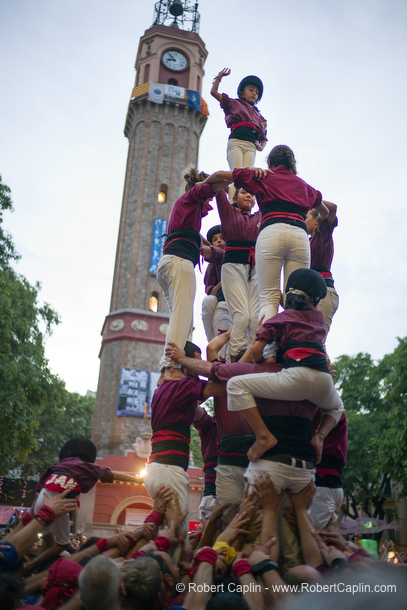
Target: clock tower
{"points": [[164, 122]]}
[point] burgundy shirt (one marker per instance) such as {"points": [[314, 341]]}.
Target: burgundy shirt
{"points": [[279, 187], [237, 225], [322, 245], [240, 111], [190, 207], [291, 325], [206, 428], [86, 474], [212, 275], [174, 402]]}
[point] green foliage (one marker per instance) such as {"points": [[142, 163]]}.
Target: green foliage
{"points": [[37, 414], [195, 448], [375, 399]]}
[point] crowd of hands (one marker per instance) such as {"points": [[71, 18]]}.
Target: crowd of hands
{"points": [[248, 532]]}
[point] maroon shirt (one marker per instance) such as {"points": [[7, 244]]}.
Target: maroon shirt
{"points": [[212, 275], [206, 428], [322, 245], [86, 474], [237, 225], [291, 325], [190, 207], [240, 111], [279, 187], [174, 402]]}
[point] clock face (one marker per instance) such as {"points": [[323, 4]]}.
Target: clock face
{"points": [[175, 60]]}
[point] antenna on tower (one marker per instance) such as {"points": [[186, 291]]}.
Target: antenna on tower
{"points": [[177, 14]]}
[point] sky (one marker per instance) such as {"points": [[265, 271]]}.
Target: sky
{"points": [[334, 91]]}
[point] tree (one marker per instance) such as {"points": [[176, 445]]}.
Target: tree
{"points": [[32, 399], [375, 399]]}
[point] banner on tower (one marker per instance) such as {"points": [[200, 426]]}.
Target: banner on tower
{"points": [[194, 99], [175, 92], [156, 93], [132, 392], [159, 230]]}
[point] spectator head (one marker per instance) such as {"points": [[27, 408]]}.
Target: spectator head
{"points": [[100, 584], [11, 589], [143, 584]]}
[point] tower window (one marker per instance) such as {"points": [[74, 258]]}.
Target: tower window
{"points": [[146, 73], [162, 195], [173, 81], [153, 302], [198, 84]]}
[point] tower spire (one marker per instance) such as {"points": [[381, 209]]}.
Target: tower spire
{"points": [[181, 14]]}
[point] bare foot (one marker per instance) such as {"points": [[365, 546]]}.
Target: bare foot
{"points": [[261, 445], [317, 442]]}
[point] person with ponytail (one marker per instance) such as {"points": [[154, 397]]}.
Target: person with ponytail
{"points": [[181, 251], [299, 332], [284, 200]]}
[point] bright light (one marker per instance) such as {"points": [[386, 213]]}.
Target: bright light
{"points": [[161, 197], [153, 304], [143, 473]]}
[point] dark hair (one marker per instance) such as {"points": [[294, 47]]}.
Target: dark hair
{"points": [[79, 447], [282, 155], [212, 232], [298, 302], [11, 589], [192, 176], [191, 349]]}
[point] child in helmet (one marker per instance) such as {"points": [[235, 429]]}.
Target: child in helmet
{"points": [[299, 331], [248, 127], [77, 472]]}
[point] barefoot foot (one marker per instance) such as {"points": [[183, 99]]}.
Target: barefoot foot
{"points": [[261, 445]]}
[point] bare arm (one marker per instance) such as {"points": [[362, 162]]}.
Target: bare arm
{"points": [[199, 367], [332, 207], [323, 211], [130, 478], [225, 177], [302, 501], [216, 83], [214, 347]]}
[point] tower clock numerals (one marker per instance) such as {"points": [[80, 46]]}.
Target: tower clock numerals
{"points": [[175, 60]]}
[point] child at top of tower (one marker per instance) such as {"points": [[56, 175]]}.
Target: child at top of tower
{"points": [[248, 127]]}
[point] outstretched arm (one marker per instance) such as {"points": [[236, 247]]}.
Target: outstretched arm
{"points": [[216, 83], [199, 367]]}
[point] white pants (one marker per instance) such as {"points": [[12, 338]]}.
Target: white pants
{"points": [[243, 303], [173, 476], [283, 476], [60, 526], [240, 153], [215, 319], [207, 507], [230, 484], [329, 306], [278, 246], [324, 505], [176, 278], [296, 383]]}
